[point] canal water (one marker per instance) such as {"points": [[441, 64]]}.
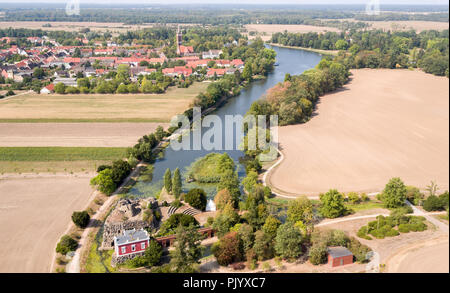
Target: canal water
{"points": [[290, 61]]}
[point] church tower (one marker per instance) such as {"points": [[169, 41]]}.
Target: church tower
{"points": [[179, 40]]}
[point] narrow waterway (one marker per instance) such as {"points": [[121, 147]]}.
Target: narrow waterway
{"points": [[290, 61]]}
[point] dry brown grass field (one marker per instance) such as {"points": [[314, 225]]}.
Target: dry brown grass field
{"points": [[99, 108], [382, 124], [37, 211]]}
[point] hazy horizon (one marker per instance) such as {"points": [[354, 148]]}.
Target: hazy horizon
{"points": [[246, 2]]}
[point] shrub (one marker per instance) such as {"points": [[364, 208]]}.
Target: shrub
{"points": [[362, 233], [196, 198], [364, 197], [66, 244], [444, 198], [413, 195], [433, 203], [168, 227], [176, 203], [152, 256], [318, 254], [103, 167], [81, 219], [228, 249], [404, 228], [392, 233], [358, 249], [353, 197]]}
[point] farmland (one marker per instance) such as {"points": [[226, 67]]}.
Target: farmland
{"points": [[383, 124], [56, 159], [99, 108], [74, 134], [37, 211]]}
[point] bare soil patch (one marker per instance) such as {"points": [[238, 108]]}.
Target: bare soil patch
{"points": [[383, 124], [34, 213], [74, 134]]}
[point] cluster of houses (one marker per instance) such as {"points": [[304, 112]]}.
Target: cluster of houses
{"points": [[69, 61]]}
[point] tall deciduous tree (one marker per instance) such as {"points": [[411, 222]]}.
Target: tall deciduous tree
{"points": [[288, 241], [332, 204], [394, 193], [300, 209], [187, 249]]}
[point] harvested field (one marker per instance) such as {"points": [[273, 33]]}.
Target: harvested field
{"points": [[266, 30], [408, 25], [74, 134], [402, 25], [427, 257], [74, 26], [99, 108], [383, 124], [34, 214]]}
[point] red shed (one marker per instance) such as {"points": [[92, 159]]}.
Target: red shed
{"points": [[339, 256], [131, 242]]}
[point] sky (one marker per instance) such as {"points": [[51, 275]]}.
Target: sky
{"points": [[415, 2]]}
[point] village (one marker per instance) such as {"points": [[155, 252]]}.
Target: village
{"points": [[52, 63]]}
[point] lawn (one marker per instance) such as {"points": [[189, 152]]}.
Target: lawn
{"points": [[367, 205], [100, 108], [56, 159], [46, 154]]}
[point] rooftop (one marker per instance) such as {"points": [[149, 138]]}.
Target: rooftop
{"points": [[338, 251], [131, 236]]}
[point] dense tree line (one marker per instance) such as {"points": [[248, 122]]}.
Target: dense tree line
{"points": [[220, 15], [294, 99], [428, 50]]}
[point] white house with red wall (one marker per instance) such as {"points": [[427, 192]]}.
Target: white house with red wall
{"points": [[131, 242]]}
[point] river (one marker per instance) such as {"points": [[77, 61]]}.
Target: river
{"points": [[290, 61]]}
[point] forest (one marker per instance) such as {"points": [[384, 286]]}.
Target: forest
{"points": [[292, 14], [428, 50]]}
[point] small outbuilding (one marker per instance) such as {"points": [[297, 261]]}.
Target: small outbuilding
{"points": [[339, 256]]}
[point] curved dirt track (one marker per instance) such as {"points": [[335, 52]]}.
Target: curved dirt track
{"points": [[382, 124]]}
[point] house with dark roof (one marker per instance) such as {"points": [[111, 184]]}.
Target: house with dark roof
{"points": [[339, 256]]}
